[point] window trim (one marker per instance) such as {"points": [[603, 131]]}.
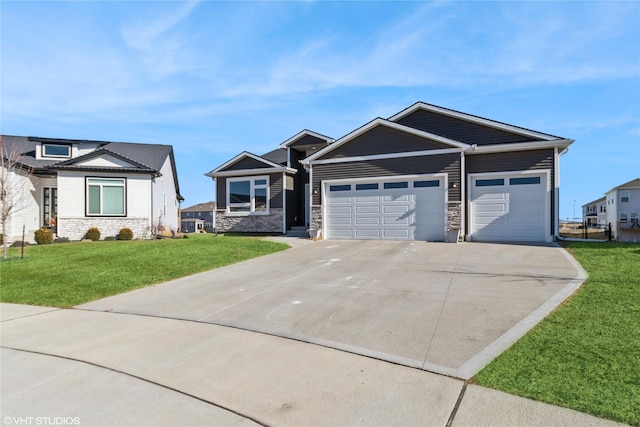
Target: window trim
{"points": [[54, 156], [626, 217], [86, 198], [252, 195], [625, 194]]}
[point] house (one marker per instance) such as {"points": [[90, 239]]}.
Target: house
{"points": [[622, 208], [72, 185], [198, 218], [425, 173], [594, 213]]}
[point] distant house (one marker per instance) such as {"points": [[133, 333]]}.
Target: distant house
{"points": [[595, 213], [79, 184], [200, 217], [418, 175], [622, 211]]}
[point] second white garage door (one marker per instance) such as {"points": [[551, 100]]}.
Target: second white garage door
{"points": [[411, 209]]}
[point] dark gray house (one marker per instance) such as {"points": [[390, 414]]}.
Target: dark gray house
{"points": [[418, 175], [198, 218]]}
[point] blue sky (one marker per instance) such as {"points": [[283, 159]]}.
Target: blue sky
{"points": [[216, 78]]}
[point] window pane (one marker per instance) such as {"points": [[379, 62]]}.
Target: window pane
{"points": [[525, 181], [340, 188], [113, 200], [239, 208], [623, 217], [389, 185], [489, 182], [260, 182], [624, 196], [420, 184], [57, 150], [240, 192], [261, 199], [366, 186], [94, 199]]}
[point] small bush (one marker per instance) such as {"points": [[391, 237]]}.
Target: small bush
{"points": [[125, 234], [93, 234], [44, 236], [1, 239]]}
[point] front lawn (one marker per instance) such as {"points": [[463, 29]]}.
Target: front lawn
{"points": [[64, 275], [585, 355]]}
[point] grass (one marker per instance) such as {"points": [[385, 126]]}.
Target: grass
{"points": [[64, 275], [586, 354]]}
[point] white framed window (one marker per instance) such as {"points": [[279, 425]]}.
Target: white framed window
{"points": [[248, 196], [106, 197], [624, 217], [56, 150], [633, 217], [624, 196]]}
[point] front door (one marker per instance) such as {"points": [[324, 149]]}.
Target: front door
{"points": [[50, 208]]}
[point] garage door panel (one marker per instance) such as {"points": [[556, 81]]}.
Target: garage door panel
{"points": [[367, 209], [366, 233], [394, 220], [367, 221]]}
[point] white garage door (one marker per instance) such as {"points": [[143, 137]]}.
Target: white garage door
{"points": [[509, 208], [412, 209]]}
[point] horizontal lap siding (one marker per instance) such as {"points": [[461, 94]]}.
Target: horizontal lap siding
{"points": [[517, 161], [458, 129], [383, 140], [247, 163], [309, 140], [446, 163]]}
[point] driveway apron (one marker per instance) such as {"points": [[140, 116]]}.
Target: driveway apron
{"points": [[445, 308]]}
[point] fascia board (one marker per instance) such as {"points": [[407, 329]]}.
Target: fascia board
{"points": [[519, 146], [241, 156], [301, 134], [249, 172], [399, 155], [473, 119], [380, 121]]}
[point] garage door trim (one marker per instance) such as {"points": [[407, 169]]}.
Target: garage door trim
{"points": [[545, 175]]}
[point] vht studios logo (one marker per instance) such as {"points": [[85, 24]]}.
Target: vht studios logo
{"points": [[41, 421]]}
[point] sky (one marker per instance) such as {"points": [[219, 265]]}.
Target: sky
{"points": [[215, 78]]}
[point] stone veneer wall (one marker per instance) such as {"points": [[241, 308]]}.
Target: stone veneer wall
{"points": [[76, 228], [271, 223], [316, 217], [454, 216]]}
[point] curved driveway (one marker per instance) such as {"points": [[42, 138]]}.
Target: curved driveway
{"points": [[445, 308]]}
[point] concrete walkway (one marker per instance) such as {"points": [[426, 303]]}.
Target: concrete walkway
{"points": [[90, 368]]}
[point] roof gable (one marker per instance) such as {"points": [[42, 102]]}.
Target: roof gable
{"points": [[306, 137], [102, 159], [465, 127], [634, 183], [247, 163]]}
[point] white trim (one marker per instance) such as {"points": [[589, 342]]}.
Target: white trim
{"points": [[249, 172], [301, 134], [382, 122], [556, 193], [519, 146], [389, 156], [239, 157], [472, 119], [252, 188], [284, 202], [463, 197], [547, 202]]}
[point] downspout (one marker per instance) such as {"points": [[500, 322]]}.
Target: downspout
{"points": [[463, 196], [284, 203], [556, 192]]}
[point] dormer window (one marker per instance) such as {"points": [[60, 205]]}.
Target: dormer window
{"points": [[56, 150]]}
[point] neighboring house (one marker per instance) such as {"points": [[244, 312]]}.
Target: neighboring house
{"points": [[79, 184], [623, 207], [198, 218], [413, 176], [595, 213]]}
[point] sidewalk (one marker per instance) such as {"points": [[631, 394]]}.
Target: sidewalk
{"points": [[96, 368]]}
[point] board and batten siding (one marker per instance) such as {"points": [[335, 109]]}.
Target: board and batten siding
{"points": [[419, 165], [383, 140], [515, 161], [458, 129]]}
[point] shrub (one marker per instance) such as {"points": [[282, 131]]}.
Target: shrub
{"points": [[1, 239], [44, 236], [93, 234], [125, 234]]}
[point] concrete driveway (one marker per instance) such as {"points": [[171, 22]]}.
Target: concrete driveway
{"points": [[444, 308]]}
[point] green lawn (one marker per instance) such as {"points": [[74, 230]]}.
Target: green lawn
{"points": [[64, 275], [585, 355]]}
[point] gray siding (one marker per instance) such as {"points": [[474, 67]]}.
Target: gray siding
{"points": [[309, 140], [449, 163], [275, 191], [247, 163], [383, 140], [221, 193], [458, 129]]}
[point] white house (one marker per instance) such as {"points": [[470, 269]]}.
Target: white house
{"points": [[595, 213], [622, 209], [73, 185]]}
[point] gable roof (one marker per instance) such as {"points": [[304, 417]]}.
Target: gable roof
{"points": [[259, 165], [601, 199], [304, 133], [634, 183], [76, 163], [201, 207]]}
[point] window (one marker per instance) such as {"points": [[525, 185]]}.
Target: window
{"points": [[340, 188], [366, 187], [624, 217], [56, 150], [524, 181], [624, 196], [391, 185], [106, 196], [489, 182], [422, 184], [248, 195], [633, 217]]}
